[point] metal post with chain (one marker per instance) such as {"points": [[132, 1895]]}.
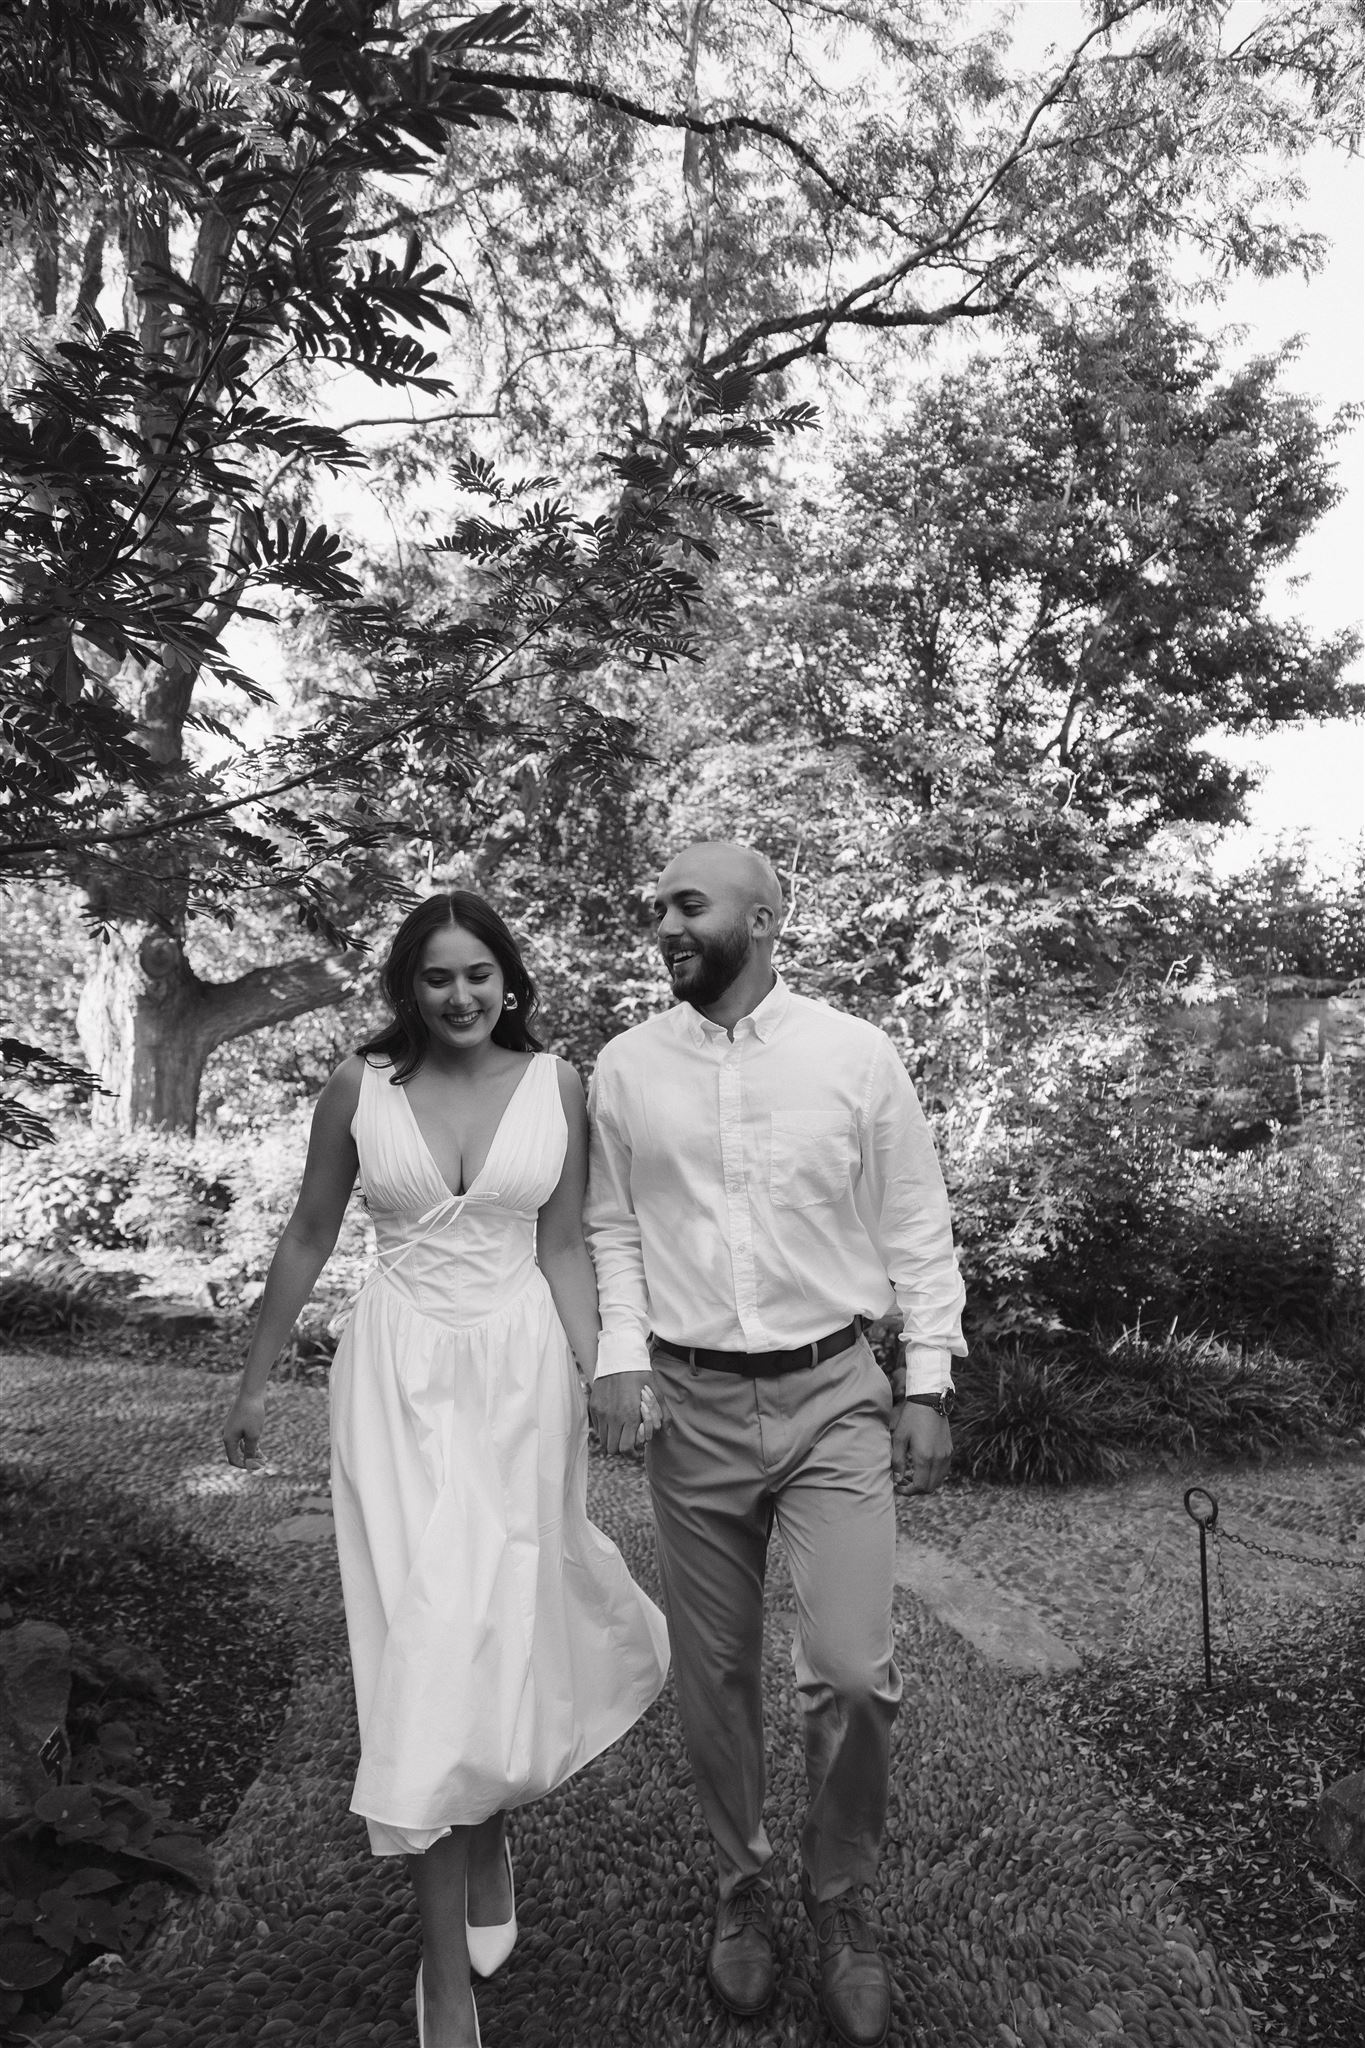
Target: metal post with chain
{"points": [[1204, 1515], [1202, 1508]]}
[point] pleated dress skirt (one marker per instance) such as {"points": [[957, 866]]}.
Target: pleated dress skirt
{"points": [[497, 1641]]}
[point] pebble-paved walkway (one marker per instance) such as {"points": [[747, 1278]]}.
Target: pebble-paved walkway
{"points": [[1022, 1906], [1116, 1568]]}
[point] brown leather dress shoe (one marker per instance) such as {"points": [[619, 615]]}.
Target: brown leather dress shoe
{"points": [[739, 1966], [855, 1989]]}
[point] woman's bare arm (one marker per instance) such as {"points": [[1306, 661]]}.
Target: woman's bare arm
{"points": [[560, 1249], [303, 1250]]}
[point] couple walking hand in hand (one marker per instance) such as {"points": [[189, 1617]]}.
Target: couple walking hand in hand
{"points": [[754, 1177]]}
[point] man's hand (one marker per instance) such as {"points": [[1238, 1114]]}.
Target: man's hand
{"points": [[616, 1415], [925, 1435]]}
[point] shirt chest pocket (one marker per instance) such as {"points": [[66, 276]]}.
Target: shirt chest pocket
{"points": [[812, 1152]]}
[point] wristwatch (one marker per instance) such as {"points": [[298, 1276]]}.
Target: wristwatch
{"points": [[942, 1403]]}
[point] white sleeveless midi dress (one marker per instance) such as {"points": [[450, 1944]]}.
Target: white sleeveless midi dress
{"points": [[497, 1641]]}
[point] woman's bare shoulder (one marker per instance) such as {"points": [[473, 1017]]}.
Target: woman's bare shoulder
{"points": [[341, 1092], [570, 1083]]}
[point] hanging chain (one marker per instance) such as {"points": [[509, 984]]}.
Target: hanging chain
{"points": [[1330, 1564]]}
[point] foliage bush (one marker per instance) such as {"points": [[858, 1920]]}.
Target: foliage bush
{"points": [[311, 1345], [1095, 1223], [1129, 1295], [1273, 1241], [100, 1190], [50, 1295], [227, 1198], [84, 1852]]}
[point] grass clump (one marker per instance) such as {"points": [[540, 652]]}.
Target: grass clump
{"points": [[1093, 1411], [47, 1295], [1039, 1421]]}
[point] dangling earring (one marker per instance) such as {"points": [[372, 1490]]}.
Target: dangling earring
{"points": [[509, 1001]]}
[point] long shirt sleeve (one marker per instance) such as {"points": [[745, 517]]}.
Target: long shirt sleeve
{"points": [[905, 1204], [613, 1232]]}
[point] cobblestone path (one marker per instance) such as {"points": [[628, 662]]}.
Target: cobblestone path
{"points": [[1022, 1906]]}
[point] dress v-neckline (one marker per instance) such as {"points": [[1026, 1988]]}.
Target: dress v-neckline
{"points": [[492, 1143]]}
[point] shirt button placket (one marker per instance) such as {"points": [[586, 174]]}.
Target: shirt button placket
{"points": [[737, 1195]]}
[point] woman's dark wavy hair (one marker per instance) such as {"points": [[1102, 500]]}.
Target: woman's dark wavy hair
{"points": [[406, 1040]]}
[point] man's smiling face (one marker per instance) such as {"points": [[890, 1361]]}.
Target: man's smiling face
{"points": [[704, 930]]}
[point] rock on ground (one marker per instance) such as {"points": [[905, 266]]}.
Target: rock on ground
{"points": [[1338, 1833]]}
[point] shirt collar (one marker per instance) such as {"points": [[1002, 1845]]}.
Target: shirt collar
{"points": [[759, 1023]]}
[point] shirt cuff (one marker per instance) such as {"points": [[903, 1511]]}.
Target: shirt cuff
{"points": [[621, 1351], [928, 1368]]}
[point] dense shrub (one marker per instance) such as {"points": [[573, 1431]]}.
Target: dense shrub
{"points": [[1093, 1224], [1129, 1297], [1273, 1241], [226, 1199], [49, 1295], [99, 1189]]}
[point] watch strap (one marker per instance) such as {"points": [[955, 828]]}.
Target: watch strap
{"points": [[941, 1402]]}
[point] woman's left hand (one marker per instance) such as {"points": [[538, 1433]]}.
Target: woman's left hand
{"points": [[651, 1416], [243, 1429]]}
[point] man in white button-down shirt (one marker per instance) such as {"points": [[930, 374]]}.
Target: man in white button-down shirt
{"points": [[762, 1178]]}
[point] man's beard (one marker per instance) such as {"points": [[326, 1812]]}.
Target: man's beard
{"points": [[718, 961]]}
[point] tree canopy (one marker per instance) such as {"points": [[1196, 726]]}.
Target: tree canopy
{"points": [[145, 508], [596, 230]]}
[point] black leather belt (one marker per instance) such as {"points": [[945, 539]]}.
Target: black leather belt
{"points": [[763, 1365]]}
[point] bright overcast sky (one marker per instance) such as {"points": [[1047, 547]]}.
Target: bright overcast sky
{"points": [[1315, 778]]}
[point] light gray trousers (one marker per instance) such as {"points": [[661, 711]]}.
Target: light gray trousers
{"points": [[810, 1451]]}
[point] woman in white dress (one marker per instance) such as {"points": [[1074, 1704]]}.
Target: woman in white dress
{"points": [[497, 1641]]}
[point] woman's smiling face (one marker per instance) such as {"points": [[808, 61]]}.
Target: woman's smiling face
{"points": [[458, 988]]}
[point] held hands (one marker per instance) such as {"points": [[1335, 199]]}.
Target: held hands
{"points": [[243, 1428], [925, 1436], [626, 1410]]}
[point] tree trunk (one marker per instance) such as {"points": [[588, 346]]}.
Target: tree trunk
{"points": [[148, 1022]]}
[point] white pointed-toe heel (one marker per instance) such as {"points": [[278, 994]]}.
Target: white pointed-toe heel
{"points": [[489, 1947], [421, 2027]]}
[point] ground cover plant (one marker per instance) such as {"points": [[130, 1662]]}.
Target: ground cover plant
{"points": [[171, 1693], [85, 1851], [1228, 1782], [108, 1573]]}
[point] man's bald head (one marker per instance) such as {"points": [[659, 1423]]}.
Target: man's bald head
{"points": [[724, 867]]}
